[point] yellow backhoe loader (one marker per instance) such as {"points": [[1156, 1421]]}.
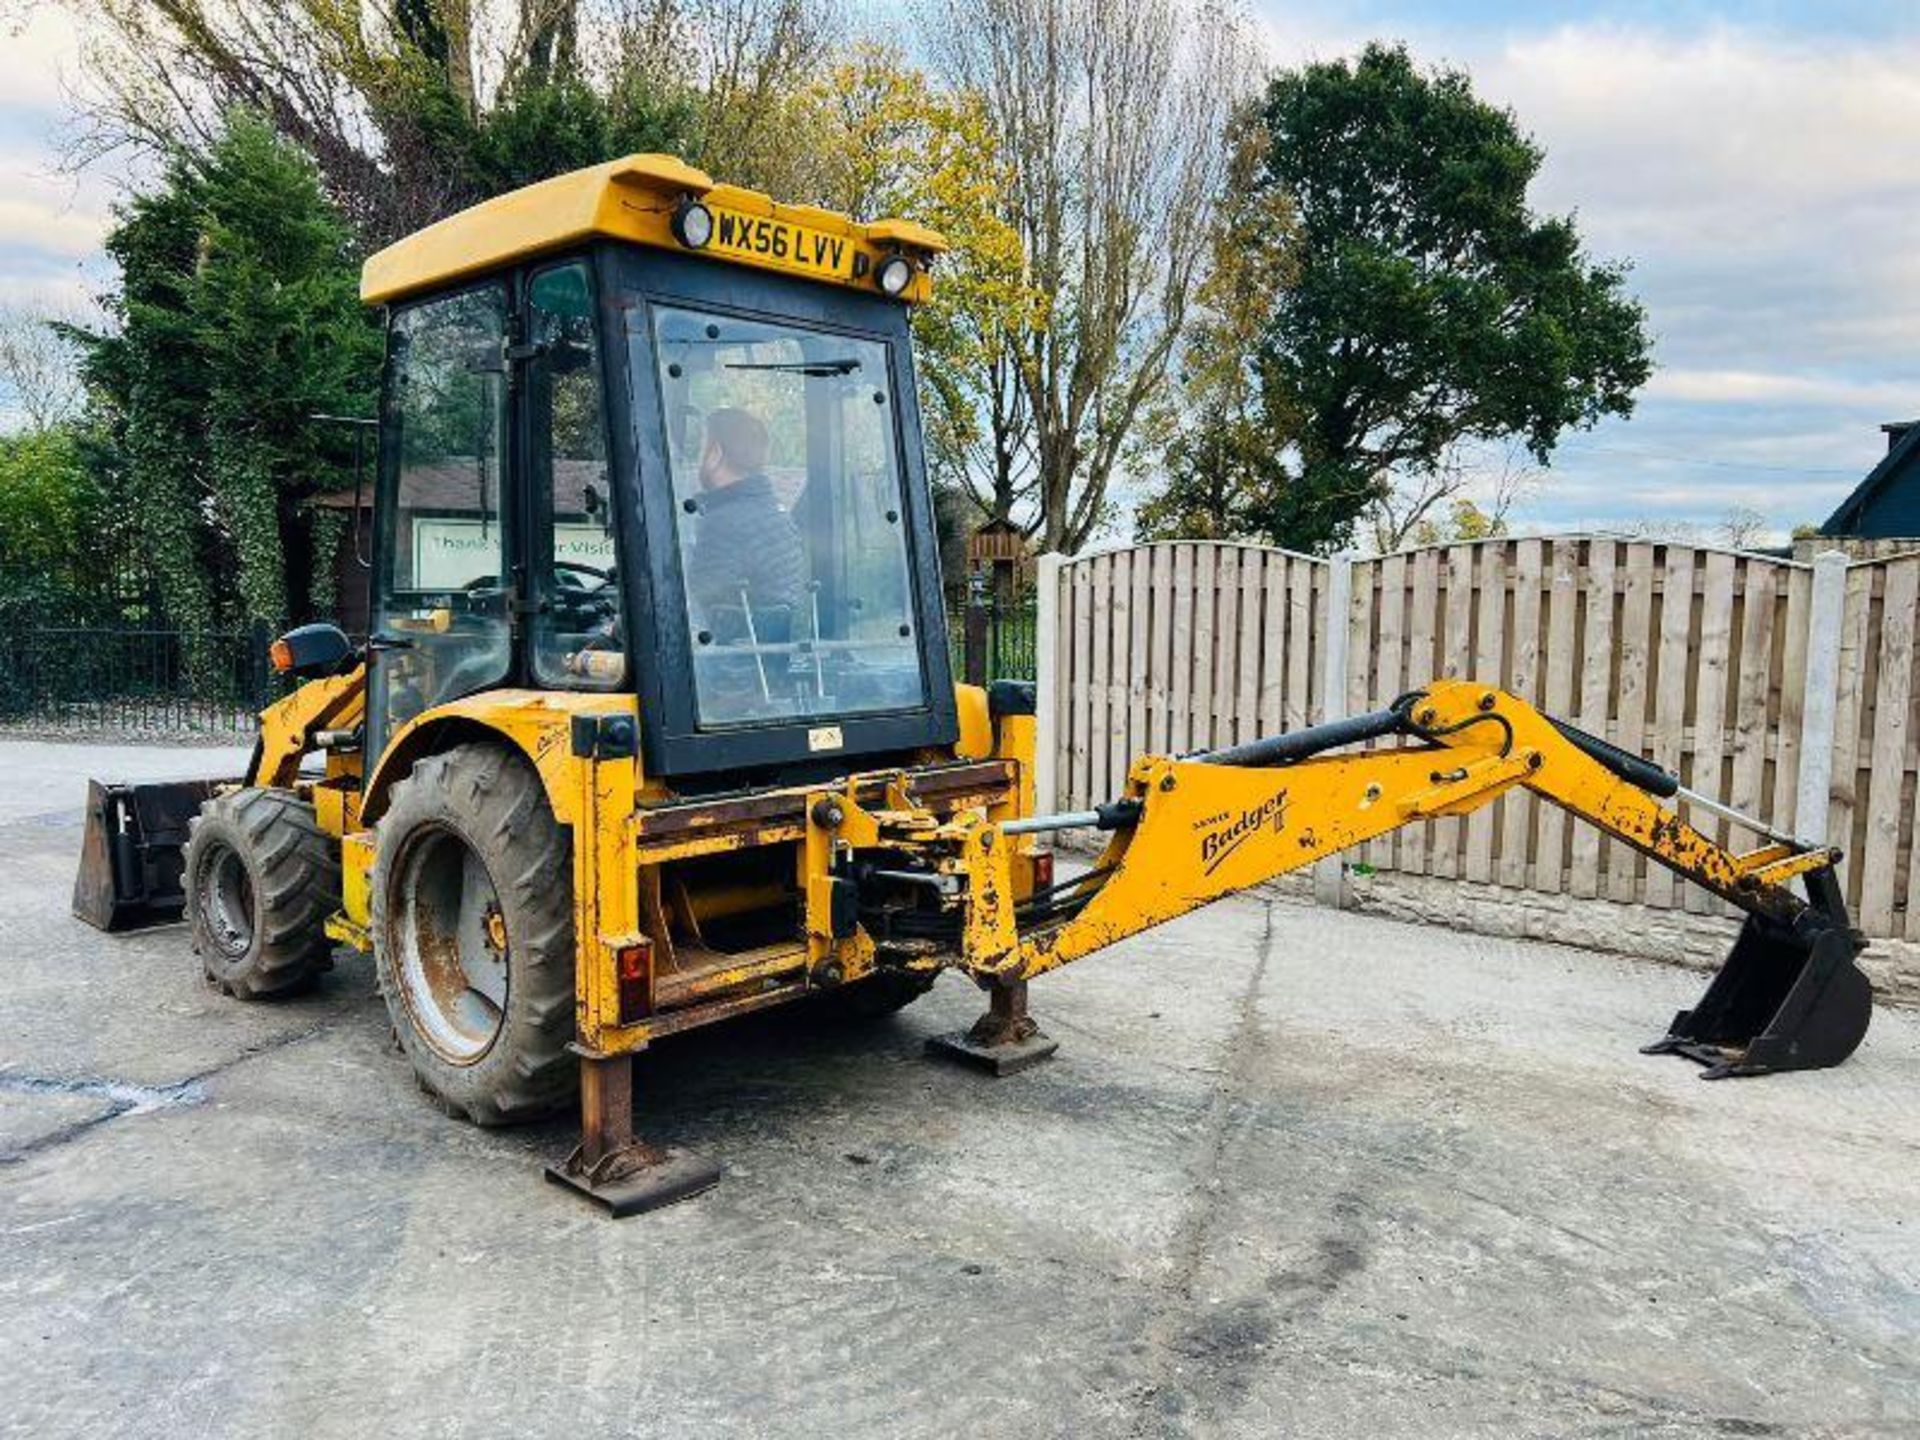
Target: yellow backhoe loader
{"points": [[654, 725]]}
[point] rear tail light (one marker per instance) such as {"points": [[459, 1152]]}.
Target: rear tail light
{"points": [[633, 965], [1043, 870]]}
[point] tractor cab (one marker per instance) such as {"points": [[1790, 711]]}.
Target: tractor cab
{"points": [[610, 464]]}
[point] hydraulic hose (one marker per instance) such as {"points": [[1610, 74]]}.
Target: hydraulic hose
{"points": [[1628, 766], [1302, 744]]}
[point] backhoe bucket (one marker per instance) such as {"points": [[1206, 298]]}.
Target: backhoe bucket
{"points": [[130, 861], [1788, 998]]}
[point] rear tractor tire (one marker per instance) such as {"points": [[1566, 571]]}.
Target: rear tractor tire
{"points": [[473, 935], [261, 878]]}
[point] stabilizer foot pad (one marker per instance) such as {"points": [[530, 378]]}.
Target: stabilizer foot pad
{"points": [[674, 1176], [1007, 1058]]}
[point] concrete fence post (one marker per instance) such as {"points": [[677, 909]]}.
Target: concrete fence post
{"points": [[1813, 792], [1330, 874], [1046, 675]]}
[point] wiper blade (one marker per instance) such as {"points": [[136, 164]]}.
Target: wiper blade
{"points": [[816, 369]]}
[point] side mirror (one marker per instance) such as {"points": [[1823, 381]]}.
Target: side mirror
{"points": [[312, 652]]}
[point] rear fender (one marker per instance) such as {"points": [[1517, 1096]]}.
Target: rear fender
{"points": [[537, 723]]}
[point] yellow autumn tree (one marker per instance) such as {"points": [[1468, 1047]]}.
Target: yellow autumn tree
{"points": [[900, 145]]}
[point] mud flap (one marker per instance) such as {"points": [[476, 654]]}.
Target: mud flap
{"points": [[130, 860], [1788, 998]]}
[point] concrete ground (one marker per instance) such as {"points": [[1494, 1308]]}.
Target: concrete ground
{"points": [[1293, 1172]]}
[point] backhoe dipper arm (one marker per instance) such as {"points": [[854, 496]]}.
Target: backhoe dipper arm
{"points": [[1189, 831]]}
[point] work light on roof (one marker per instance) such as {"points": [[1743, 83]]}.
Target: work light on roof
{"points": [[692, 224], [896, 272]]}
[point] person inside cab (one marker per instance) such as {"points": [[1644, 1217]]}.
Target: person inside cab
{"points": [[748, 551]]}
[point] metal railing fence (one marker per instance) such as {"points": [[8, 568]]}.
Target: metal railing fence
{"points": [[135, 679]]}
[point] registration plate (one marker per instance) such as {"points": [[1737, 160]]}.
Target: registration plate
{"points": [[757, 237]]}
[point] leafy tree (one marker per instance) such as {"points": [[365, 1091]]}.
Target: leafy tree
{"points": [[238, 319], [1463, 520], [558, 123], [1431, 306], [52, 515], [1212, 443]]}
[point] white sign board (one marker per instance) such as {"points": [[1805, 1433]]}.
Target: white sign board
{"points": [[449, 553]]}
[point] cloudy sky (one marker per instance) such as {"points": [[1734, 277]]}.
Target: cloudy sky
{"points": [[1758, 163]]}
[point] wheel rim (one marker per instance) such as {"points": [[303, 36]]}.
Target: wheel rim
{"points": [[451, 939], [226, 902]]}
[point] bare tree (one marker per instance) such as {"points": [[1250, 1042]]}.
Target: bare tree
{"points": [[1742, 527], [39, 369], [1670, 532], [1110, 116], [358, 85], [747, 59], [1492, 480]]}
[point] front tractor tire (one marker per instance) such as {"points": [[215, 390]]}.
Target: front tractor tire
{"points": [[473, 935], [261, 877]]}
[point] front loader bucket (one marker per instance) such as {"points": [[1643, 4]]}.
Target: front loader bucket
{"points": [[131, 858], [1788, 998]]}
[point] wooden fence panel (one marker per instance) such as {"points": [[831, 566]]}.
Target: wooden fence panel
{"points": [[1388, 578], [1488, 664], [1226, 646], [1086, 735], [1746, 778], [1302, 611], [1666, 741], [1273, 645], [1139, 642], [1423, 606], [1160, 643], [1595, 664], [1846, 817], [1523, 679], [1246, 699], [1887, 829], [1789, 711], [1633, 683]]}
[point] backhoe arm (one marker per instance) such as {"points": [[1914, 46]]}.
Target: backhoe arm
{"points": [[1189, 831]]}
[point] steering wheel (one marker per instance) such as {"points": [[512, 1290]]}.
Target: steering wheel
{"points": [[573, 567]]}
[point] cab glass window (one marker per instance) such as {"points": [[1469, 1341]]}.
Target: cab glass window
{"points": [[577, 640], [790, 522], [441, 601]]}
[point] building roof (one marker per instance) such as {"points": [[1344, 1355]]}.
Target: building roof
{"points": [[634, 199], [1904, 446]]}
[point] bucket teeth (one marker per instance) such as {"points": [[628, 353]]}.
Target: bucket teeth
{"points": [[1788, 998]]}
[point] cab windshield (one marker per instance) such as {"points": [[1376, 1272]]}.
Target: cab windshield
{"points": [[789, 519]]}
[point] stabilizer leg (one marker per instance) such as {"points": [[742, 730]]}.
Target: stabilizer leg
{"points": [[613, 1167], [1003, 1041]]}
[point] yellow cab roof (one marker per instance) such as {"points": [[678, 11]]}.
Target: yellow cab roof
{"points": [[633, 199]]}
